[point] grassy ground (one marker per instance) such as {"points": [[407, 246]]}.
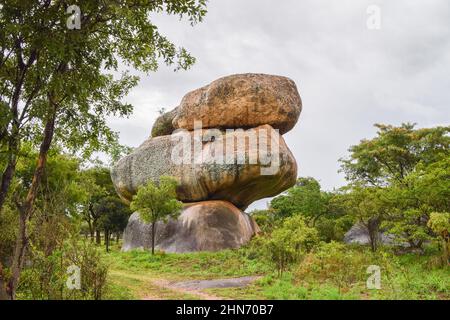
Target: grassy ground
{"points": [[139, 275]]}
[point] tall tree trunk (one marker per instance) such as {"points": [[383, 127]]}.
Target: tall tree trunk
{"points": [[13, 141], [91, 231], [107, 239], [8, 174], [19, 255], [6, 179], [4, 295], [374, 234], [153, 237], [117, 237], [98, 237], [26, 208]]}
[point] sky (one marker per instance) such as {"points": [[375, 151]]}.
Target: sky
{"points": [[348, 76]]}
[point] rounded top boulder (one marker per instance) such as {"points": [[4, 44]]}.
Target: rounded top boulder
{"points": [[241, 101]]}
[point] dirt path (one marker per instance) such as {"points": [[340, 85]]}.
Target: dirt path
{"points": [[196, 287], [154, 287]]}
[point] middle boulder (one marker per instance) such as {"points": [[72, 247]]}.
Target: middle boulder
{"points": [[239, 166]]}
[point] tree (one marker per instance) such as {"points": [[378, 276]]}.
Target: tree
{"points": [[319, 208], [422, 192], [98, 185], [367, 206], [389, 182], [304, 198], [53, 82], [114, 216], [394, 153], [155, 203]]}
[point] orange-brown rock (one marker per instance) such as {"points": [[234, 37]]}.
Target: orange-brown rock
{"points": [[241, 101]]}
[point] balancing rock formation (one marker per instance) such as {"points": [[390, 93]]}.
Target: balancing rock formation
{"points": [[223, 144]]}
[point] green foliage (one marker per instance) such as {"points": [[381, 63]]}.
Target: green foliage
{"points": [[47, 277], [394, 153], [68, 68], [114, 216], [343, 267], [320, 209], [290, 242], [8, 229], [422, 192], [267, 220], [439, 223], [304, 198], [155, 203]]}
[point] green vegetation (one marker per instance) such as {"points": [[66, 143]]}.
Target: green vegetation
{"points": [[331, 271], [58, 206], [157, 203], [59, 85]]}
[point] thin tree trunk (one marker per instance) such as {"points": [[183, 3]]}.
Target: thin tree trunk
{"points": [[98, 238], [26, 209], [107, 240], [13, 142], [153, 237], [8, 174], [19, 255], [4, 295], [91, 231]]}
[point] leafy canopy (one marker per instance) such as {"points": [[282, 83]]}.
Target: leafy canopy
{"points": [[157, 202]]}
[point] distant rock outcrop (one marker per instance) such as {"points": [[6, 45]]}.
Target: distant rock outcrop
{"points": [[236, 157], [358, 234]]}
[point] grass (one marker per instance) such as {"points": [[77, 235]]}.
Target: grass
{"points": [[136, 275]]}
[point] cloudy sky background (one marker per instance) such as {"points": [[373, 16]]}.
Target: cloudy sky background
{"points": [[349, 77]]}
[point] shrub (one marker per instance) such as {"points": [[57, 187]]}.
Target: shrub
{"points": [[439, 223], [290, 242], [340, 265], [47, 275]]}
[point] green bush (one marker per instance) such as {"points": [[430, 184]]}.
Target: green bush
{"points": [[289, 243], [47, 275], [341, 266], [439, 223]]}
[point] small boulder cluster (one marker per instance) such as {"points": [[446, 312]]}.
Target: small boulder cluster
{"points": [[224, 145]]}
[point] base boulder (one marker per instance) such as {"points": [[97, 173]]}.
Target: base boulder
{"points": [[201, 226]]}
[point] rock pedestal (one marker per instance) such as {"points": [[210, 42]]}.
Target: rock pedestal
{"points": [[201, 226], [238, 156]]}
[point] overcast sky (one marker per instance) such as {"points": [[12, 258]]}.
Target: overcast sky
{"points": [[349, 77]]}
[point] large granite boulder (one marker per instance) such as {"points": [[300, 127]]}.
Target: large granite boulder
{"points": [[237, 101], [202, 226], [238, 166]]}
